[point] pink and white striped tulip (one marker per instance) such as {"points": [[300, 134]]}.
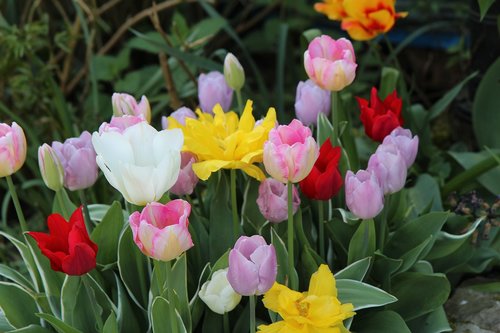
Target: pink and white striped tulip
{"points": [[161, 231], [290, 152], [120, 124], [407, 145], [125, 104], [12, 149], [363, 195], [330, 63]]}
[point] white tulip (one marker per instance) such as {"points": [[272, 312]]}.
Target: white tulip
{"points": [[218, 294], [141, 162]]}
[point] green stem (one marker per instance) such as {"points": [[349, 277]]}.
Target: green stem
{"points": [[321, 229], [335, 118], [171, 308], [17, 204], [252, 313], [383, 224], [157, 276], [226, 323], [291, 261], [234, 205], [83, 200], [240, 101], [62, 206]]}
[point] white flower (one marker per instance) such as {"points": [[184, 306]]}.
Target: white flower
{"points": [[141, 162], [218, 294]]}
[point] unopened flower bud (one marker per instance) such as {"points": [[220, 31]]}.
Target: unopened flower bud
{"points": [[233, 72], [50, 167]]}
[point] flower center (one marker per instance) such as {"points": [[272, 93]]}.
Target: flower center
{"points": [[302, 307]]}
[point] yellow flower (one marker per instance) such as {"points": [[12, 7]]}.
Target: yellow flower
{"points": [[334, 9], [315, 311], [223, 141]]}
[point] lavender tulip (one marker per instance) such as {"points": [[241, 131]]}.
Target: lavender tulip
{"points": [[389, 166], [212, 90], [406, 144], [310, 101], [187, 179], [363, 195], [273, 200], [252, 266], [119, 124], [180, 115]]}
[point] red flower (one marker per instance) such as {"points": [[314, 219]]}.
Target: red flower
{"points": [[380, 118], [324, 180], [67, 245]]}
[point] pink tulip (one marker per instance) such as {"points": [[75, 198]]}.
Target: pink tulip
{"points": [[310, 101], [330, 63], [252, 266], [125, 104], [407, 146], [212, 90], [78, 160], [363, 195], [161, 231], [180, 115], [389, 166], [273, 200], [119, 124], [290, 152], [187, 179], [12, 149]]}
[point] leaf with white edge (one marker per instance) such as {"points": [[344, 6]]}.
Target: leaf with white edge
{"points": [[160, 318], [31, 329], [346, 216], [111, 325], [59, 325], [362, 295], [355, 271], [18, 306], [13, 275], [362, 244], [107, 234], [434, 322], [382, 321]]}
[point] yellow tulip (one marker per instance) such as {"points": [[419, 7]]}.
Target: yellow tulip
{"points": [[334, 9], [223, 141], [317, 310]]}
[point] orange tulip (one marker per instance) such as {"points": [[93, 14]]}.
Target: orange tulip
{"points": [[334, 9]]}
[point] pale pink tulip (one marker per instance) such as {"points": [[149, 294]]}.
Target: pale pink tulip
{"points": [[310, 101], [212, 90], [389, 166], [407, 145], [125, 104], [12, 149], [363, 195], [120, 124], [273, 200], [187, 179]]}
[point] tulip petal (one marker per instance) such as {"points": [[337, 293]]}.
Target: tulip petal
{"points": [[80, 261], [243, 274]]}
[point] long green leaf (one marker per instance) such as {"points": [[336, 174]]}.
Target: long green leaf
{"points": [[362, 295]]}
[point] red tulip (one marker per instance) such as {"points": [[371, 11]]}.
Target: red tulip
{"points": [[324, 180], [380, 117], [67, 245]]}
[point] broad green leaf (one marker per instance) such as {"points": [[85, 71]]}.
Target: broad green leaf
{"points": [[127, 315], [179, 285], [59, 325], [205, 29], [309, 264], [221, 263], [4, 324], [362, 243], [18, 306], [13, 275], [31, 329], [434, 322], [74, 298], [282, 258], [418, 293], [413, 255], [250, 212], [484, 5], [423, 266], [384, 267], [111, 325], [425, 194], [97, 211], [107, 234], [355, 271], [161, 320], [325, 128], [362, 295], [383, 321], [488, 179]]}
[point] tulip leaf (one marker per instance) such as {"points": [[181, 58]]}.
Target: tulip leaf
{"points": [[221, 263], [73, 298], [127, 314], [434, 322], [384, 267], [69, 206], [383, 321], [325, 129], [282, 259], [388, 81], [362, 243], [59, 325], [107, 234], [425, 194], [31, 329], [111, 325], [484, 5], [355, 271], [250, 212], [362, 295], [10, 274], [161, 321], [413, 255], [489, 179], [18, 306], [178, 284]]}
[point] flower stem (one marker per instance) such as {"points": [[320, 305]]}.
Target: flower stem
{"points": [[383, 224], [226, 323], [240, 101], [83, 200], [62, 206], [17, 205], [335, 118], [234, 205], [252, 313], [291, 276], [321, 229], [171, 308]]}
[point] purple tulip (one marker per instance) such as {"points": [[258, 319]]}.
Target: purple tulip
{"points": [[273, 200], [78, 160], [363, 195], [310, 101], [389, 166], [187, 179], [407, 146], [119, 124], [180, 115], [252, 266], [212, 90]]}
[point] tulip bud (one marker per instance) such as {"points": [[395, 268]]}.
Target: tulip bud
{"points": [[363, 194], [388, 165], [50, 167], [12, 149], [125, 104], [233, 72], [213, 90], [119, 124], [179, 115], [273, 200], [187, 179], [407, 146], [252, 266], [310, 101], [218, 294]]}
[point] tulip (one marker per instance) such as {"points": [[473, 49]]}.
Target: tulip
{"points": [[407, 146], [233, 72], [363, 195], [50, 167], [218, 294], [141, 162], [330, 63], [379, 117], [12, 149], [324, 181], [67, 245], [273, 200], [187, 179], [213, 90], [77, 157], [310, 101], [290, 152], [125, 104], [389, 166], [161, 231], [180, 115], [252, 266], [334, 9], [119, 124]]}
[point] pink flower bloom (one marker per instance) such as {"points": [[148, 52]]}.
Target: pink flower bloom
{"points": [[187, 179], [212, 90], [12, 149], [77, 157], [363, 194], [252, 266], [290, 152], [310, 101], [407, 146], [330, 63], [161, 231], [273, 200], [125, 104], [389, 166], [119, 124], [180, 115]]}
